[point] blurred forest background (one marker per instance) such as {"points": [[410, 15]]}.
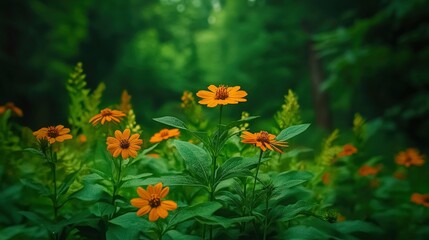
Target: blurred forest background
{"points": [[340, 57]]}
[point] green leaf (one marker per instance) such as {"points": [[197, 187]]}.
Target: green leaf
{"points": [[173, 180], [241, 121], [132, 221], [292, 178], [291, 211], [196, 159], [176, 235], [68, 180], [40, 221], [90, 192], [203, 210], [10, 232], [34, 151], [115, 232], [292, 131], [235, 167], [101, 209], [42, 190], [222, 221], [132, 177], [301, 232], [357, 226], [172, 122]]}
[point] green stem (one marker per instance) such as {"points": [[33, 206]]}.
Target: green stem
{"points": [[256, 175], [212, 193], [116, 183], [266, 218], [55, 197]]}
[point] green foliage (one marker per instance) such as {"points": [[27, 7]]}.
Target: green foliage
{"points": [[83, 105], [289, 114]]}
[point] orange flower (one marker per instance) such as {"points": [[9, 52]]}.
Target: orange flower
{"points": [[348, 150], [107, 114], [150, 202], [125, 102], [326, 178], [123, 144], [409, 157], [340, 218], [53, 134], [399, 175], [82, 138], [164, 134], [366, 170], [10, 105], [263, 140], [153, 155], [221, 95], [421, 199]]}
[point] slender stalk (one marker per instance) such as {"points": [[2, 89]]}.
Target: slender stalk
{"points": [[256, 175], [214, 165], [266, 218], [116, 183]]}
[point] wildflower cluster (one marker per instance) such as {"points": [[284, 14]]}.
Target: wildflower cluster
{"points": [[103, 177]]}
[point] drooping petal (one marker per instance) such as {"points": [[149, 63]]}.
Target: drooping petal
{"points": [[162, 212], [153, 215], [144, 210]]}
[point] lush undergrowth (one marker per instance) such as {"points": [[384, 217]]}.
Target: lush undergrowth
{"points": [[97, 177]]}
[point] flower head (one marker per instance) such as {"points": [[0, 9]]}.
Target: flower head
{"points": [[123, 144], [409, 157], [151, 202], [326, 178], [263, 140], [108, 115], [11, 106], [421, 199], [53, 134], [221, 95], [367, 170], [164, 134], [348, 150]]}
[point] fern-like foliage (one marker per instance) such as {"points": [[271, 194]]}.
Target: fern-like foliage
{"points": [[359, 129], [83, 104], [329, 150], [289, 114]]}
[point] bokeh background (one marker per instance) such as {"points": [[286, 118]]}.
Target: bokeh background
{"points": [[340, 57]]}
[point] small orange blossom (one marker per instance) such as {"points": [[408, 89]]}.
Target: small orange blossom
{"points": [[53, 134], [124, 144], [221, 95], [108, 115], [150, 202], [164, 134], [263, 140]]}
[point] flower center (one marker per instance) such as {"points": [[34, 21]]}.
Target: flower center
{"points": [[263, 137], [106, 112], [154, 201], [124, 143], [221, 93], [53, 132], [164, 133]]}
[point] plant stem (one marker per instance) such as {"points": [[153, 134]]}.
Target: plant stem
{"points": [[116, 183], [212, 197], [256, 175], [266, 218]]}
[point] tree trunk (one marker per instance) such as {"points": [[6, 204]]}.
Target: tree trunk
{"points": [[320, 98]]}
